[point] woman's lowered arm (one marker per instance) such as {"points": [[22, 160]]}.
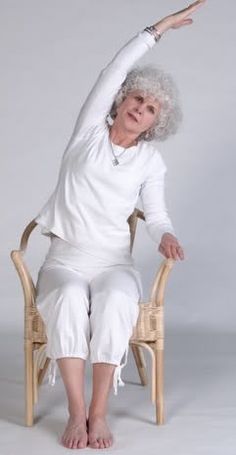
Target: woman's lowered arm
{"points": [[153, 200], [158, 222]]}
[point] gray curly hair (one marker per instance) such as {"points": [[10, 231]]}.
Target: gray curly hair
{"points": [[155, 82]]}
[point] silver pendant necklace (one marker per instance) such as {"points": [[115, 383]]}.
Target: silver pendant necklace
{"points": [[109, 122], [115, 161]]}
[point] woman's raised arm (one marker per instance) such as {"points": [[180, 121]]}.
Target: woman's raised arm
{"points": [[99, 101]]}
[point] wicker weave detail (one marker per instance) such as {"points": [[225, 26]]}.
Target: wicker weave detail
{"points": [[149, 325]]}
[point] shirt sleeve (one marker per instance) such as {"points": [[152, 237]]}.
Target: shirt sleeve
{"points": [[153, 200], [100, 99]]}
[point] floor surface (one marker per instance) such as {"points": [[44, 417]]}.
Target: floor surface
{"points": [[200, 402]]}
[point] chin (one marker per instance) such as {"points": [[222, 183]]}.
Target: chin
{"points": [[131, 127]]}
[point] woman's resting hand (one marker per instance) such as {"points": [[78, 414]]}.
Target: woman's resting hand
{"points": [[170, 247]]}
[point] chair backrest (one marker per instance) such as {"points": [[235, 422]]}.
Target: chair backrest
{"points": [[132, 220]]}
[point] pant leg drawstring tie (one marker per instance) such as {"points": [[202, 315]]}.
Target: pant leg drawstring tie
{"points": [[52, 372], [117, 373], [117, 380]]}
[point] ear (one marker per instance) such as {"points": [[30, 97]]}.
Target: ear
{"points": [[148, 134]]}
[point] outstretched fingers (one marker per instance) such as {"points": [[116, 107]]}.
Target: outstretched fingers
{"points": [[190, 8], [183, 22]]}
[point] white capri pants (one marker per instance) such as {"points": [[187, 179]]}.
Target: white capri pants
{"points": [[88, 306]]}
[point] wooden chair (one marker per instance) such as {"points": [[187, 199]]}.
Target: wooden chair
{"points": [[149, 330], [148, 333]]}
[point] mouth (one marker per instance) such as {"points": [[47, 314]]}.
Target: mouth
{"points": [[133, 117]]}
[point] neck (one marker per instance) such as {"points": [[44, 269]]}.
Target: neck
{"points": [[119, 137]]}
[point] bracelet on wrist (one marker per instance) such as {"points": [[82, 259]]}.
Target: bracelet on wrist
{"points": [[153, 31]]}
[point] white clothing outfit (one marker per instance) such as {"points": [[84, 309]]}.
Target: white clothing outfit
{"points": [[93, 199], [88, 211], [88, 308]]}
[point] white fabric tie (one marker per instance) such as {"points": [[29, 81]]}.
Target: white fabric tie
{"points": [[52, 372], [117, 380], [117, 373]]}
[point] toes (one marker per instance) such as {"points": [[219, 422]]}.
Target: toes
{"points": [[82, 444], [64, 442], [94, 443], [75, 443], [69, 444], [101, 443], [106, 443]]}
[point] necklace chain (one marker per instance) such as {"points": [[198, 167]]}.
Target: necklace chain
{"points": [[115, 161]]}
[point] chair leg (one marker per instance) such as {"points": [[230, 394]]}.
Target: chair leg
{"points": [[29, 393], [140, 363], [159, 355]]}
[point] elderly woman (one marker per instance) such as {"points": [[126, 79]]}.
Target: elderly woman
{"points": [[88, 288]]}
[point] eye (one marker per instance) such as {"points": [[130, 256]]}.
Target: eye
{"points": [[138, 97], [151, 109]]}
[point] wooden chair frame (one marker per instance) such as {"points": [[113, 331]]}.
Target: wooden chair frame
{"points": [[148, 333]]}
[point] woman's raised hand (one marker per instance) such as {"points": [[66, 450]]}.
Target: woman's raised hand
{"points": [[178, 19]]}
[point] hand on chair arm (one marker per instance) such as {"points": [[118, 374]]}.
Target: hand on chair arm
{"points": [[170, 247]]}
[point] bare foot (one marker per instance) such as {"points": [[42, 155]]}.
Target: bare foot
{"points": [[75, 435], [99, 435]]}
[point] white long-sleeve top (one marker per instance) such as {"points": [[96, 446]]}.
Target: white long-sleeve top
{"points": [[93, 199]]}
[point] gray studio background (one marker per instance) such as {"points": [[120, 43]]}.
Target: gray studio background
{"points": [[51, 54]]}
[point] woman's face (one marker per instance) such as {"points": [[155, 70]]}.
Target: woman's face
{"points": [[137, 113]]}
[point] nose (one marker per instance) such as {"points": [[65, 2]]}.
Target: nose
{"points": [[139, 109]]}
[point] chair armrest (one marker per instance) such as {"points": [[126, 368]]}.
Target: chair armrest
{"points": [[160, 281]]}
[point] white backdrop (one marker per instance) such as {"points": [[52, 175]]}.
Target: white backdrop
{"points": [[51, 55]]}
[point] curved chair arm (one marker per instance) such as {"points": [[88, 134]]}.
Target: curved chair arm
{"points": [[160, 281], [25, 236], [34, 326], [35, 339], [17, 258]]}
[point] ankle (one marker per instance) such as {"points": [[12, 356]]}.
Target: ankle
{"points": [[77, 414], [96, 413]]}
